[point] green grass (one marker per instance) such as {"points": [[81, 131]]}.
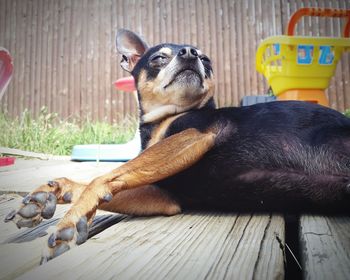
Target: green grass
{"points": [[48, 134], [347, 113]]}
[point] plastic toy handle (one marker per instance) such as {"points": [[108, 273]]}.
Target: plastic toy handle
{"points": [[125, 84], [6, 70], [319, 12]]}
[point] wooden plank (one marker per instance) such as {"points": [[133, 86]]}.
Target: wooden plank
{"points": [[186, 246], [29, 57], [325, 246], [48, 33], [21, 24], [106, 52], [21, 163], [94, 56], [234, 70], [36, 43], [225, 49], [192, 246], [63, 58], [25, 180], [17, 152], [10, 233], [20, 250]]}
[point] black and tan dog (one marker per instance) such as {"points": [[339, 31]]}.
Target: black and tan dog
{"points": [[279, 156]]}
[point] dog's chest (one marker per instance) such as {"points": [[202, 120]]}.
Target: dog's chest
{"points": [[154, 132]]}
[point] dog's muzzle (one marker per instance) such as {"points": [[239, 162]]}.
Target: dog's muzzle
{"points": [[188, 53]]}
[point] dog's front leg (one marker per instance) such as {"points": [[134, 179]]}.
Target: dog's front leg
{"points": [[166, 158]]}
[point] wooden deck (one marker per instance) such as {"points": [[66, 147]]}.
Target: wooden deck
{"points": [[197, 245]]}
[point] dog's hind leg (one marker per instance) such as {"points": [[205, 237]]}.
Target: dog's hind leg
{"points": [[164, 159], [290, 189], [41, 203], [143, 201]]}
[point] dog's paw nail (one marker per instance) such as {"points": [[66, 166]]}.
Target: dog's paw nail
{"points": [[43, 260], [82, 224], [25, 223], [108, 197], [52, 198], [29, 211], [67, 197], [40, 197], [50, 206], [10, 216], [81, 238], [26, 199], [66, 234], [52, 184], [82, 228], [60, 249], [51, 242], [48, 211]]}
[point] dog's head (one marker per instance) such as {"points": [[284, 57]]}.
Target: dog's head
{"points": [[170, 78]]}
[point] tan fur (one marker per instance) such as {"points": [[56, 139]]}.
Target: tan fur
{"points": [[128, 189], [158, 104], [166, 51], [146, 200], [163, 159], [167, 157], [60, 187], [209, 94], [159, 132]]}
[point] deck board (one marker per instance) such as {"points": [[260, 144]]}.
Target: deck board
{"points": [[20, 249], [192, 246], [23, 177], [196, 245], [325, 247]]}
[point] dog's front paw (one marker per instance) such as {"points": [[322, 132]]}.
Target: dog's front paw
{"points": [[35, 207], [72, 230], [41, 204], [64, 238]]}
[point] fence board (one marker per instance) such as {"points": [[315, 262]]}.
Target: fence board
{"points": [[65, 58]]}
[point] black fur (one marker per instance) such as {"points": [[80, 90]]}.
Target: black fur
{"points": [[285, 156], [151, 72]]}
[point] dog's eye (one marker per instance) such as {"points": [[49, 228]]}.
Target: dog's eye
{"points": [[158, 58], [205, 59], [159, 61]]}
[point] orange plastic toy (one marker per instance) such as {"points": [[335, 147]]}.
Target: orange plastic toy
{"points": [[300, 67]]}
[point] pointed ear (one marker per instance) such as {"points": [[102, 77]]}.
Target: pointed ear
{"points": [[131, 46]]}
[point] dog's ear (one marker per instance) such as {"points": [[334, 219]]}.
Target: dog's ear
{"points": [[131, 46]]}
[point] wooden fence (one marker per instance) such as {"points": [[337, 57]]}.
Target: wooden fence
{"points": [[65, 58]]}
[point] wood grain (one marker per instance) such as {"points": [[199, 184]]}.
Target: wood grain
{"points": [[186, 246], [24, 180], [325, 247], [64, 52], [20, 249], [192, 246]]}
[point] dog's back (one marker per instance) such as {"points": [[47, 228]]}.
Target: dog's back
{"points": [[263, 155]]}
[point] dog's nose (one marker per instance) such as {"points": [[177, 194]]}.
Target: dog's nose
{"points": [[188, 53]]}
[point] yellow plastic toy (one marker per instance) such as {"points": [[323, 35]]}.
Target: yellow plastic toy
{"points": [[299, 67]]}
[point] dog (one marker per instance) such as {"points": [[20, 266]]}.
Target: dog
{"points": [[277, 156]]}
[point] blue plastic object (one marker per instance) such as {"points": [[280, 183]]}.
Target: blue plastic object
{"points": [[255, 99], [305, 53], [107, 152], [326, 55]]}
